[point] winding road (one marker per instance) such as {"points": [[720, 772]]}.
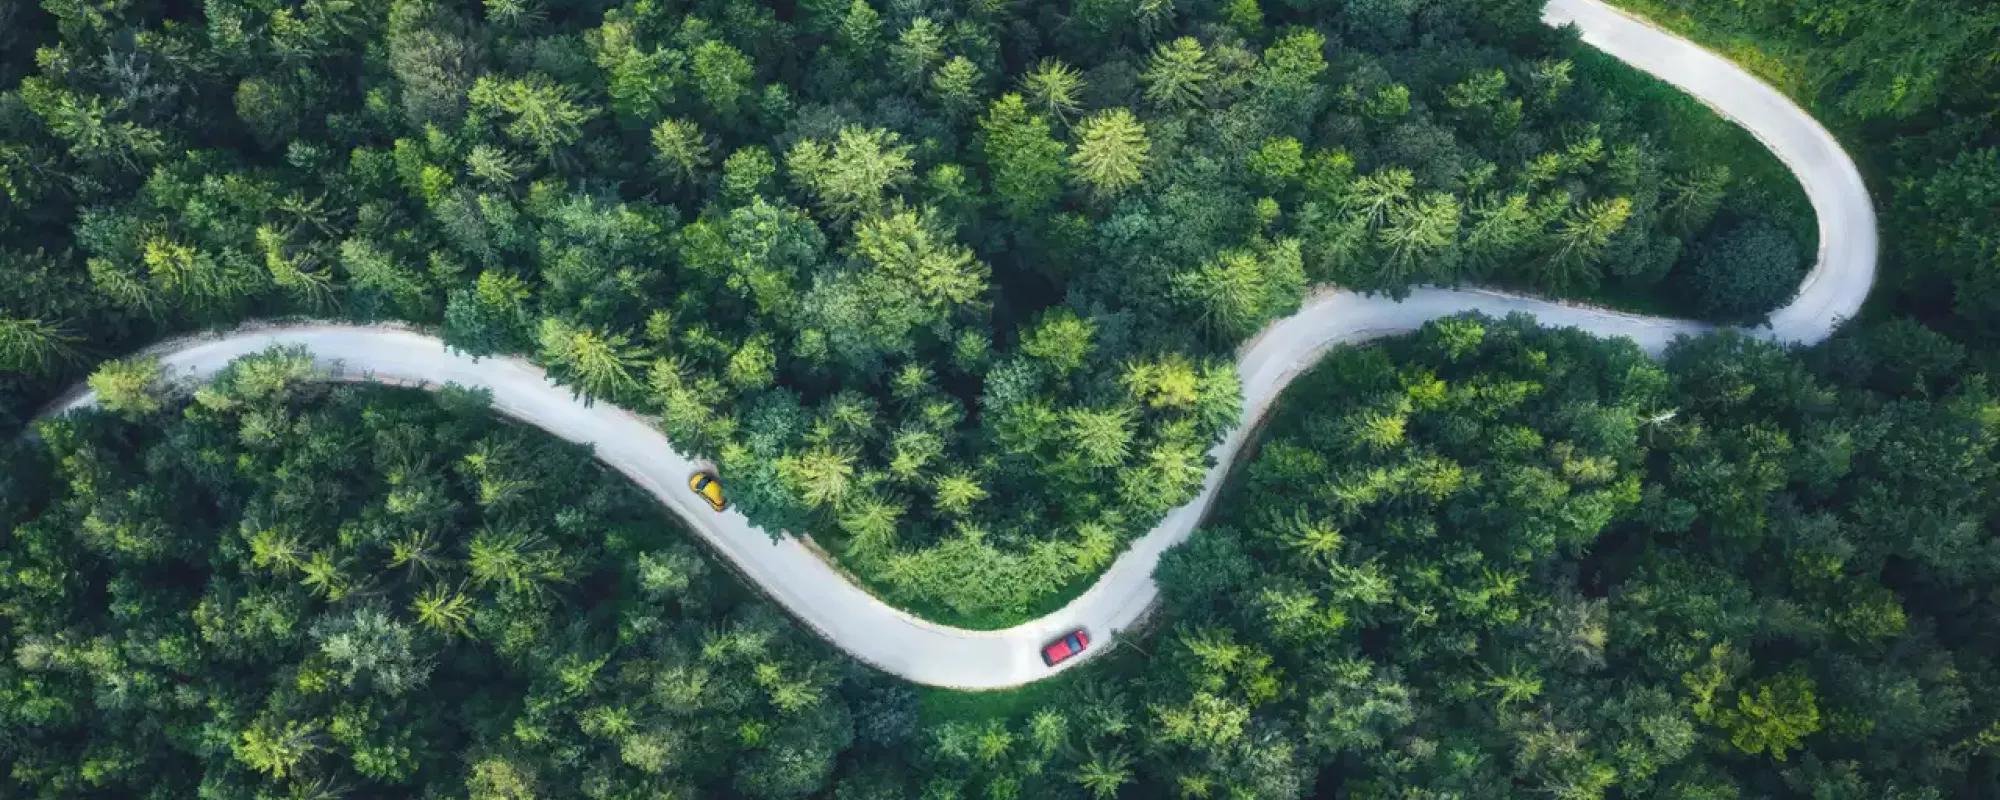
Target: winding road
{"points": [[790, 573]]}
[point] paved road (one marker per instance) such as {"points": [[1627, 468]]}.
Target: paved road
{"points": [[933, 654]]}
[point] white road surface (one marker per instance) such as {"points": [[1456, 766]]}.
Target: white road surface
{"points": [[933, 654]]}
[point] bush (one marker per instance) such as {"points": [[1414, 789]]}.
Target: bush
{"points": [[1740, 275]]}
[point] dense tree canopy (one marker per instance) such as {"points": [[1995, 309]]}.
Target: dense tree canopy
{"points": [[1485, 560], [953, 285], [1493, 560], [818, 239], [278, 588]]}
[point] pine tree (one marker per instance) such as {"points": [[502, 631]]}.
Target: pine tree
{"points": [[1023, 157], [31, 345], [919, 48], [130, 386], [1110, 152], [680, 148], [545, 114], [1582, 238], [849, 178], [1177, 75], [443, 610], [1053, 87], [599, 364]]}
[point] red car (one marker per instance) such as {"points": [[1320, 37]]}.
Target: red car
{"points": [[1065, 648]]}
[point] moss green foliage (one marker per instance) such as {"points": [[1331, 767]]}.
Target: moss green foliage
{"points": [[1752, 267]]}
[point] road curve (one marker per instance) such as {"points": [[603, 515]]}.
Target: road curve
{"points": [[933, 654]]}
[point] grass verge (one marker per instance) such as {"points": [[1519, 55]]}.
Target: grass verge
{"points": [[930, 611], [1766, 60]]}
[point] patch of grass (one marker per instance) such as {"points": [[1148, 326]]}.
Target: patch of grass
{"points": [[999, 620], [936, 705], [1770, 61], [861, 574]]}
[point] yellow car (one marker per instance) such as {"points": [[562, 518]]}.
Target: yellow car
{"points": [[710, 489]]}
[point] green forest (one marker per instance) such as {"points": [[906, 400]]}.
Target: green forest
{"points": [[954, 284], [1485, 560]]}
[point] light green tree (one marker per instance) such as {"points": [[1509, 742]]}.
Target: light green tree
{"points": [[1291, 66], [1023, 157], [1582, 238], [956, 493], [754, 365], [278, 750], [599, 364], [1169, 382], [1239, 290], [680, 148], [542, 113], [919, 48], [849, 178], [1102, 437], [1061, 340], [1422, 235], [747, 173], [1111, 150], [31, 345], [1278, 162], [1374, 195], [1177, 75], [1053, 87], [130, 386], [443, 609], [860, 31], [821, 476], [722, 77], [1775, 717], [907, 248], [957, 86]]}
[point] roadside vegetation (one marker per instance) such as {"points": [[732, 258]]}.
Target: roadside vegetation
{"points": [[1912, 91], [953, 285], [1489, 559], [280, 587]]}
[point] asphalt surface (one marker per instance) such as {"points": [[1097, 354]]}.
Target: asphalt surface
{"points": [[791, 574]]}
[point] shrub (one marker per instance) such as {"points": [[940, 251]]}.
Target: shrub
{"points": [[1743, 273]]}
